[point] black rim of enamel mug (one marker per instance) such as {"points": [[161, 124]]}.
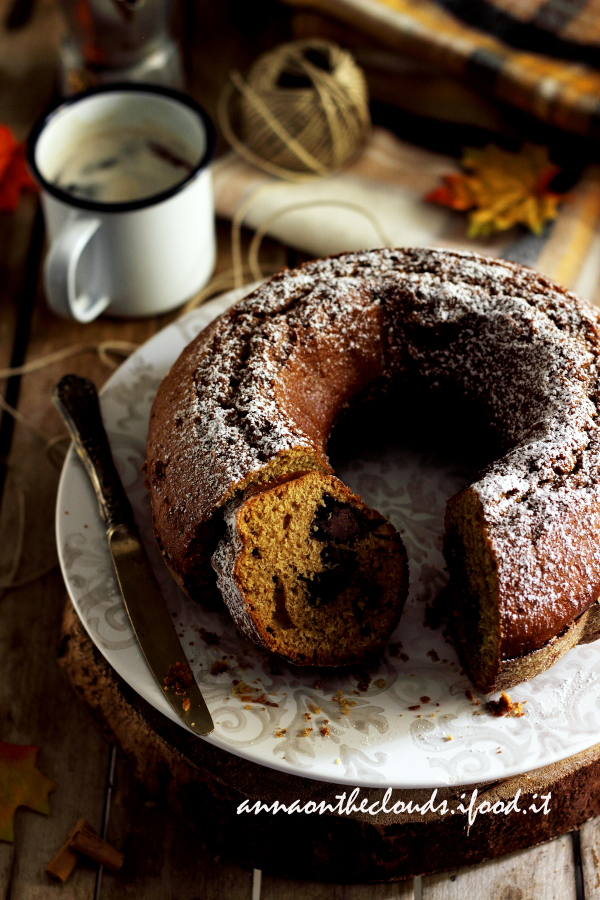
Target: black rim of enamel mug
{"points": [[114, 88]]}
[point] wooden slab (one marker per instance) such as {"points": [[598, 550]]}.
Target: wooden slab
{"points": [[205, 786]]}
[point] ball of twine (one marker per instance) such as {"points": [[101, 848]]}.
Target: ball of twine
{"points": [[302, 111]]}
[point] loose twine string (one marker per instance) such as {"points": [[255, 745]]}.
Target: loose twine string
{"points": [[335, 113]]}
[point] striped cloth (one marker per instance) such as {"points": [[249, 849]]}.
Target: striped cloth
{"points": [[537, 55]]}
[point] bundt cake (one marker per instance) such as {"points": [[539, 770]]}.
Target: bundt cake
{"points": [[253, 399], [310, 572]]}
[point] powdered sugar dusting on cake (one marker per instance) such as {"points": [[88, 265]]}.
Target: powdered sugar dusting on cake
{"points": [[518, 345]]}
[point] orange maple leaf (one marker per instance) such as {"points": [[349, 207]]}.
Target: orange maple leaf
{"points": [[14, 175], [454, 193], [21, 784], [502, 189]]}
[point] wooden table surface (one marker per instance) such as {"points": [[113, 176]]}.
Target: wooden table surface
{"points": [[163, 859]]}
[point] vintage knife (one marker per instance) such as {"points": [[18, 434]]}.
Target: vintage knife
{"points": [[77, 401]]}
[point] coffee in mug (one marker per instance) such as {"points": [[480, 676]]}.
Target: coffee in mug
{"points": [[118, 163], [127, 198]]}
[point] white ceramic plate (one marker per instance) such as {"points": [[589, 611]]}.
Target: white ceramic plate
{"points": [[374, 738]]}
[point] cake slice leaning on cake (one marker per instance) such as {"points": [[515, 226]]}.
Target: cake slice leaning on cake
{"points": [[248, 408]]}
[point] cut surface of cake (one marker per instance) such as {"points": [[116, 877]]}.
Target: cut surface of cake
{"points": [[310, 572]]}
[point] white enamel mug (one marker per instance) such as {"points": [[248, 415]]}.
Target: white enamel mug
{"points": [[137, 258]]}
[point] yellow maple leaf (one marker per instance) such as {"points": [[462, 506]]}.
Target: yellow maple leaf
{"points": [[21, 784], [502, 189]]}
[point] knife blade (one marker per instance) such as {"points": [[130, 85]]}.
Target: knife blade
{"points": [[77, 401]]}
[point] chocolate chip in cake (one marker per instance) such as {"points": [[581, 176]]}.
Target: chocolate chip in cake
{"points": [[335, 521], [338, 572]]}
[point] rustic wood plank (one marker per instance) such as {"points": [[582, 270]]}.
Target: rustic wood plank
{"points": [[281, 889], [34, 695], [33, 692], [544, 872], [38, 708], [24, 307], [590, 858], [29, 65], [15, 232], [163, 858]]}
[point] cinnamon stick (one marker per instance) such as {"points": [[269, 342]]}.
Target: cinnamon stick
{"points": [[82, 839], [86, 841], [66, 859]]}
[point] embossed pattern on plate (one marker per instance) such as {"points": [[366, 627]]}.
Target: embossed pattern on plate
{"points": [[332, 726]]}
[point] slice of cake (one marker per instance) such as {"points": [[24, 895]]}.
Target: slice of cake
{"points": [[308, 571]]}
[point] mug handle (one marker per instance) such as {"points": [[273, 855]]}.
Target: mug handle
{"points": [[60, 271]]}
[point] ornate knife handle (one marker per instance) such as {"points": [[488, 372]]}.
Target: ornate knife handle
{"points": [[77, 401]]}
